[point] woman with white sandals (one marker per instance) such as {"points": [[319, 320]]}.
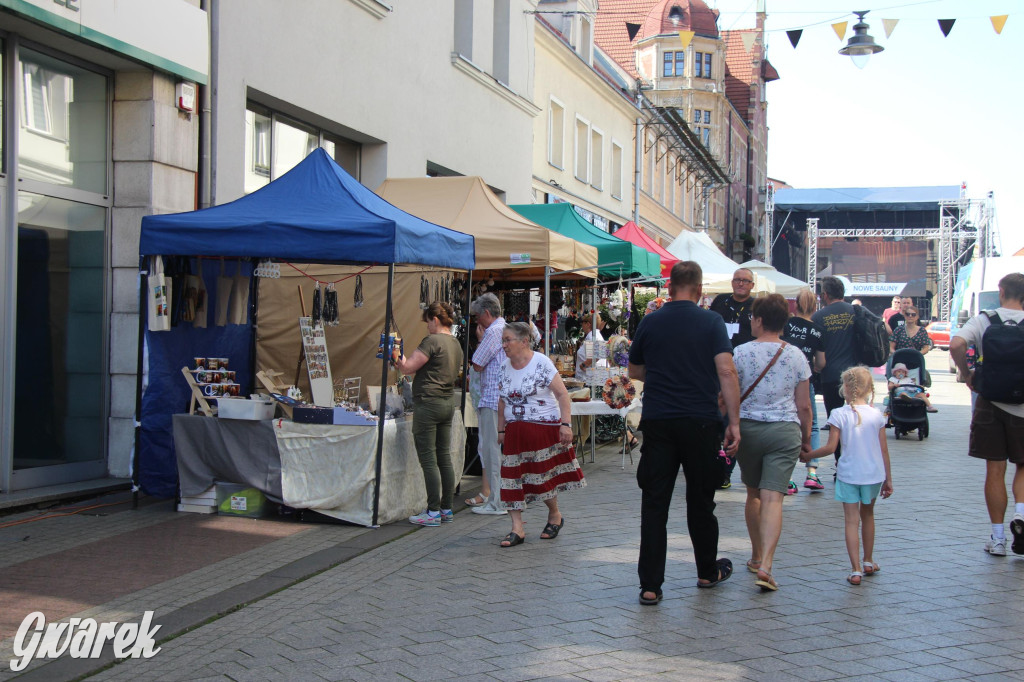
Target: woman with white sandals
{"points": [[775, 421]]}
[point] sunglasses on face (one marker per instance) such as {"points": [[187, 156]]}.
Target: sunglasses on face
{"points": [[737, 280]]}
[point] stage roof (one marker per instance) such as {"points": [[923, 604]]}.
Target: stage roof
{"points": [[865, 198]]}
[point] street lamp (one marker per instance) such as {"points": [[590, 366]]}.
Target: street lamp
{"points": [[860, 46]]}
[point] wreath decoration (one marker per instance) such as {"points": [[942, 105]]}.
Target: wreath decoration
{"points": [[618, 392]]}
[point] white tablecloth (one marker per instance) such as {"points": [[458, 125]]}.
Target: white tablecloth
{"points": [[331, 468], [593, 407]]}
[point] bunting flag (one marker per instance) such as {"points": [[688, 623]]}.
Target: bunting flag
{"points": [[946, 25], [685, 37], [632, 30], [998, 22], [794, 36], [890, 26], [748, 40], [840, 29]]}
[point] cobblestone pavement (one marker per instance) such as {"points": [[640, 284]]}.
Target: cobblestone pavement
{"points": [[445, 603]]}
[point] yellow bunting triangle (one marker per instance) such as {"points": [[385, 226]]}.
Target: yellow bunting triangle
{"points": [[685, 37], [998, 22], [748, 40], [840, 29], [890, 26]]}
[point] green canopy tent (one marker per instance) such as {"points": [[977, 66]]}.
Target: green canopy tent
{"points": [[563, 219]]}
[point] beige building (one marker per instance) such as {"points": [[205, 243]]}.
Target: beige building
{"points": [[603, 145], [710, 86]]}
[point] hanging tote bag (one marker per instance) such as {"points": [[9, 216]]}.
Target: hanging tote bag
{"points": [[158, 296]]}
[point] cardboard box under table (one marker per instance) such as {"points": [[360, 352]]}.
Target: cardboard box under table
{"points": [[325, 467]]}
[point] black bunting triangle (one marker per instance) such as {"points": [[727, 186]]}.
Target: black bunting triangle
{"points": [[946, 25], [794, 36], [632, 30]]}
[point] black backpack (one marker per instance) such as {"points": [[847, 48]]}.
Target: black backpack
{"points": [[870, 337], [999, 375]]}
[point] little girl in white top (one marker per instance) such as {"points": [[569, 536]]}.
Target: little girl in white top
{"points": [[863, 470]]}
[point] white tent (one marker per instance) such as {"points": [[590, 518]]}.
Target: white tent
{"points": [[788, 286], [697, 246], [718, 268]]}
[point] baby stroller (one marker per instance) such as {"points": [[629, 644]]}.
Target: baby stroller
{"points": [[907, 414]]}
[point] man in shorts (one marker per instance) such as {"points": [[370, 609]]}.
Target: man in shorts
{"points": [[997, 429]]}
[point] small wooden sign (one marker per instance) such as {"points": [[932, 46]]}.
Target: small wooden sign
{"points": [[314, 342]]}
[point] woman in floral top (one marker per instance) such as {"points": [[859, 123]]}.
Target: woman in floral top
{"points": [[775, 421], [910, 334], [537, 457]]}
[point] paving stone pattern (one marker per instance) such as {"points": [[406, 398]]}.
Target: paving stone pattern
{"points": [[446, 603]]}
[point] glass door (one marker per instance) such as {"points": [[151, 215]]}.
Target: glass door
{"points": [[59, 376]]}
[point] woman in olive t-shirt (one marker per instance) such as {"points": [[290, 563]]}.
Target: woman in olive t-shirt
{"points": [[436, 363]]}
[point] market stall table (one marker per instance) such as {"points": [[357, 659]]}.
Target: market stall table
{"points": [[326, 468], [598, 408]]}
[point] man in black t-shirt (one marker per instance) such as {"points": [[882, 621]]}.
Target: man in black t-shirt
{"points": [[684, 357], [735, 307], [898, 320], [735, 310]]}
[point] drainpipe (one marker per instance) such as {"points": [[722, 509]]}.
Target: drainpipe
{"points": [[206, 113], [637, 162]]}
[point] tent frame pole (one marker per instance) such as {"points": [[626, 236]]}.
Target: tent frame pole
{"points": [[140, 355], [465, 346], [381, 411]]}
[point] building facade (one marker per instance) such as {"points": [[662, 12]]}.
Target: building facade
{"points": [[93, 140]]}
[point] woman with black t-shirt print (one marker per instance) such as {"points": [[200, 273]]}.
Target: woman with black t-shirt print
{"points": [[807, 336]]}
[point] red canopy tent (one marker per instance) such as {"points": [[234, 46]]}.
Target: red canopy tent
{"points": [[633, 234]]}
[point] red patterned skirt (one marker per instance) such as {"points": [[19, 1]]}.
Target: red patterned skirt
{"points": [[535, 466]]}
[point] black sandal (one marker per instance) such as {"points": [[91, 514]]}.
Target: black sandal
{"points": [[650, 602], [724, 571], [551, 530], [512, 539]]}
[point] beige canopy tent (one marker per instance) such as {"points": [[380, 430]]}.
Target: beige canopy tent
{"points": [[502, 236]]}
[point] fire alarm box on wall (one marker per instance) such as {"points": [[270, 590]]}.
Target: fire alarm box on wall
{"points": [[185, 95]]}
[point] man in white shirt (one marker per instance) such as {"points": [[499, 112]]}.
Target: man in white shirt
{"points": [[584, 363], [997, 433]]}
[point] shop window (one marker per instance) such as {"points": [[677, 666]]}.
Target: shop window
{"points": [[62, 138]]}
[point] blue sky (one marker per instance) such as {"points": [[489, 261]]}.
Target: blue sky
{"points": [[928, 110]]}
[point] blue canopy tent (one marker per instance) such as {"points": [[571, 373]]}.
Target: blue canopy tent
{"points": [[315, 213]]}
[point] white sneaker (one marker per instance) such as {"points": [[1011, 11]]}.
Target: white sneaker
{"points": [[1017, 528], [996, 546], [425, 519], [488, 509]]}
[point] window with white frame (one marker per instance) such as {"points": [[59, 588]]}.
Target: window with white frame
{"points": [[659, 173], [596, 158], [274, 144], [702, 64], [649, 165], [582, 167], [586, 39], [556, 134], [616, 179]]}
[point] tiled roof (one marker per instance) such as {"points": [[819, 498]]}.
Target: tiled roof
{"points": [[652, 15], [697, 17], [739, 70], [610, 29]]}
